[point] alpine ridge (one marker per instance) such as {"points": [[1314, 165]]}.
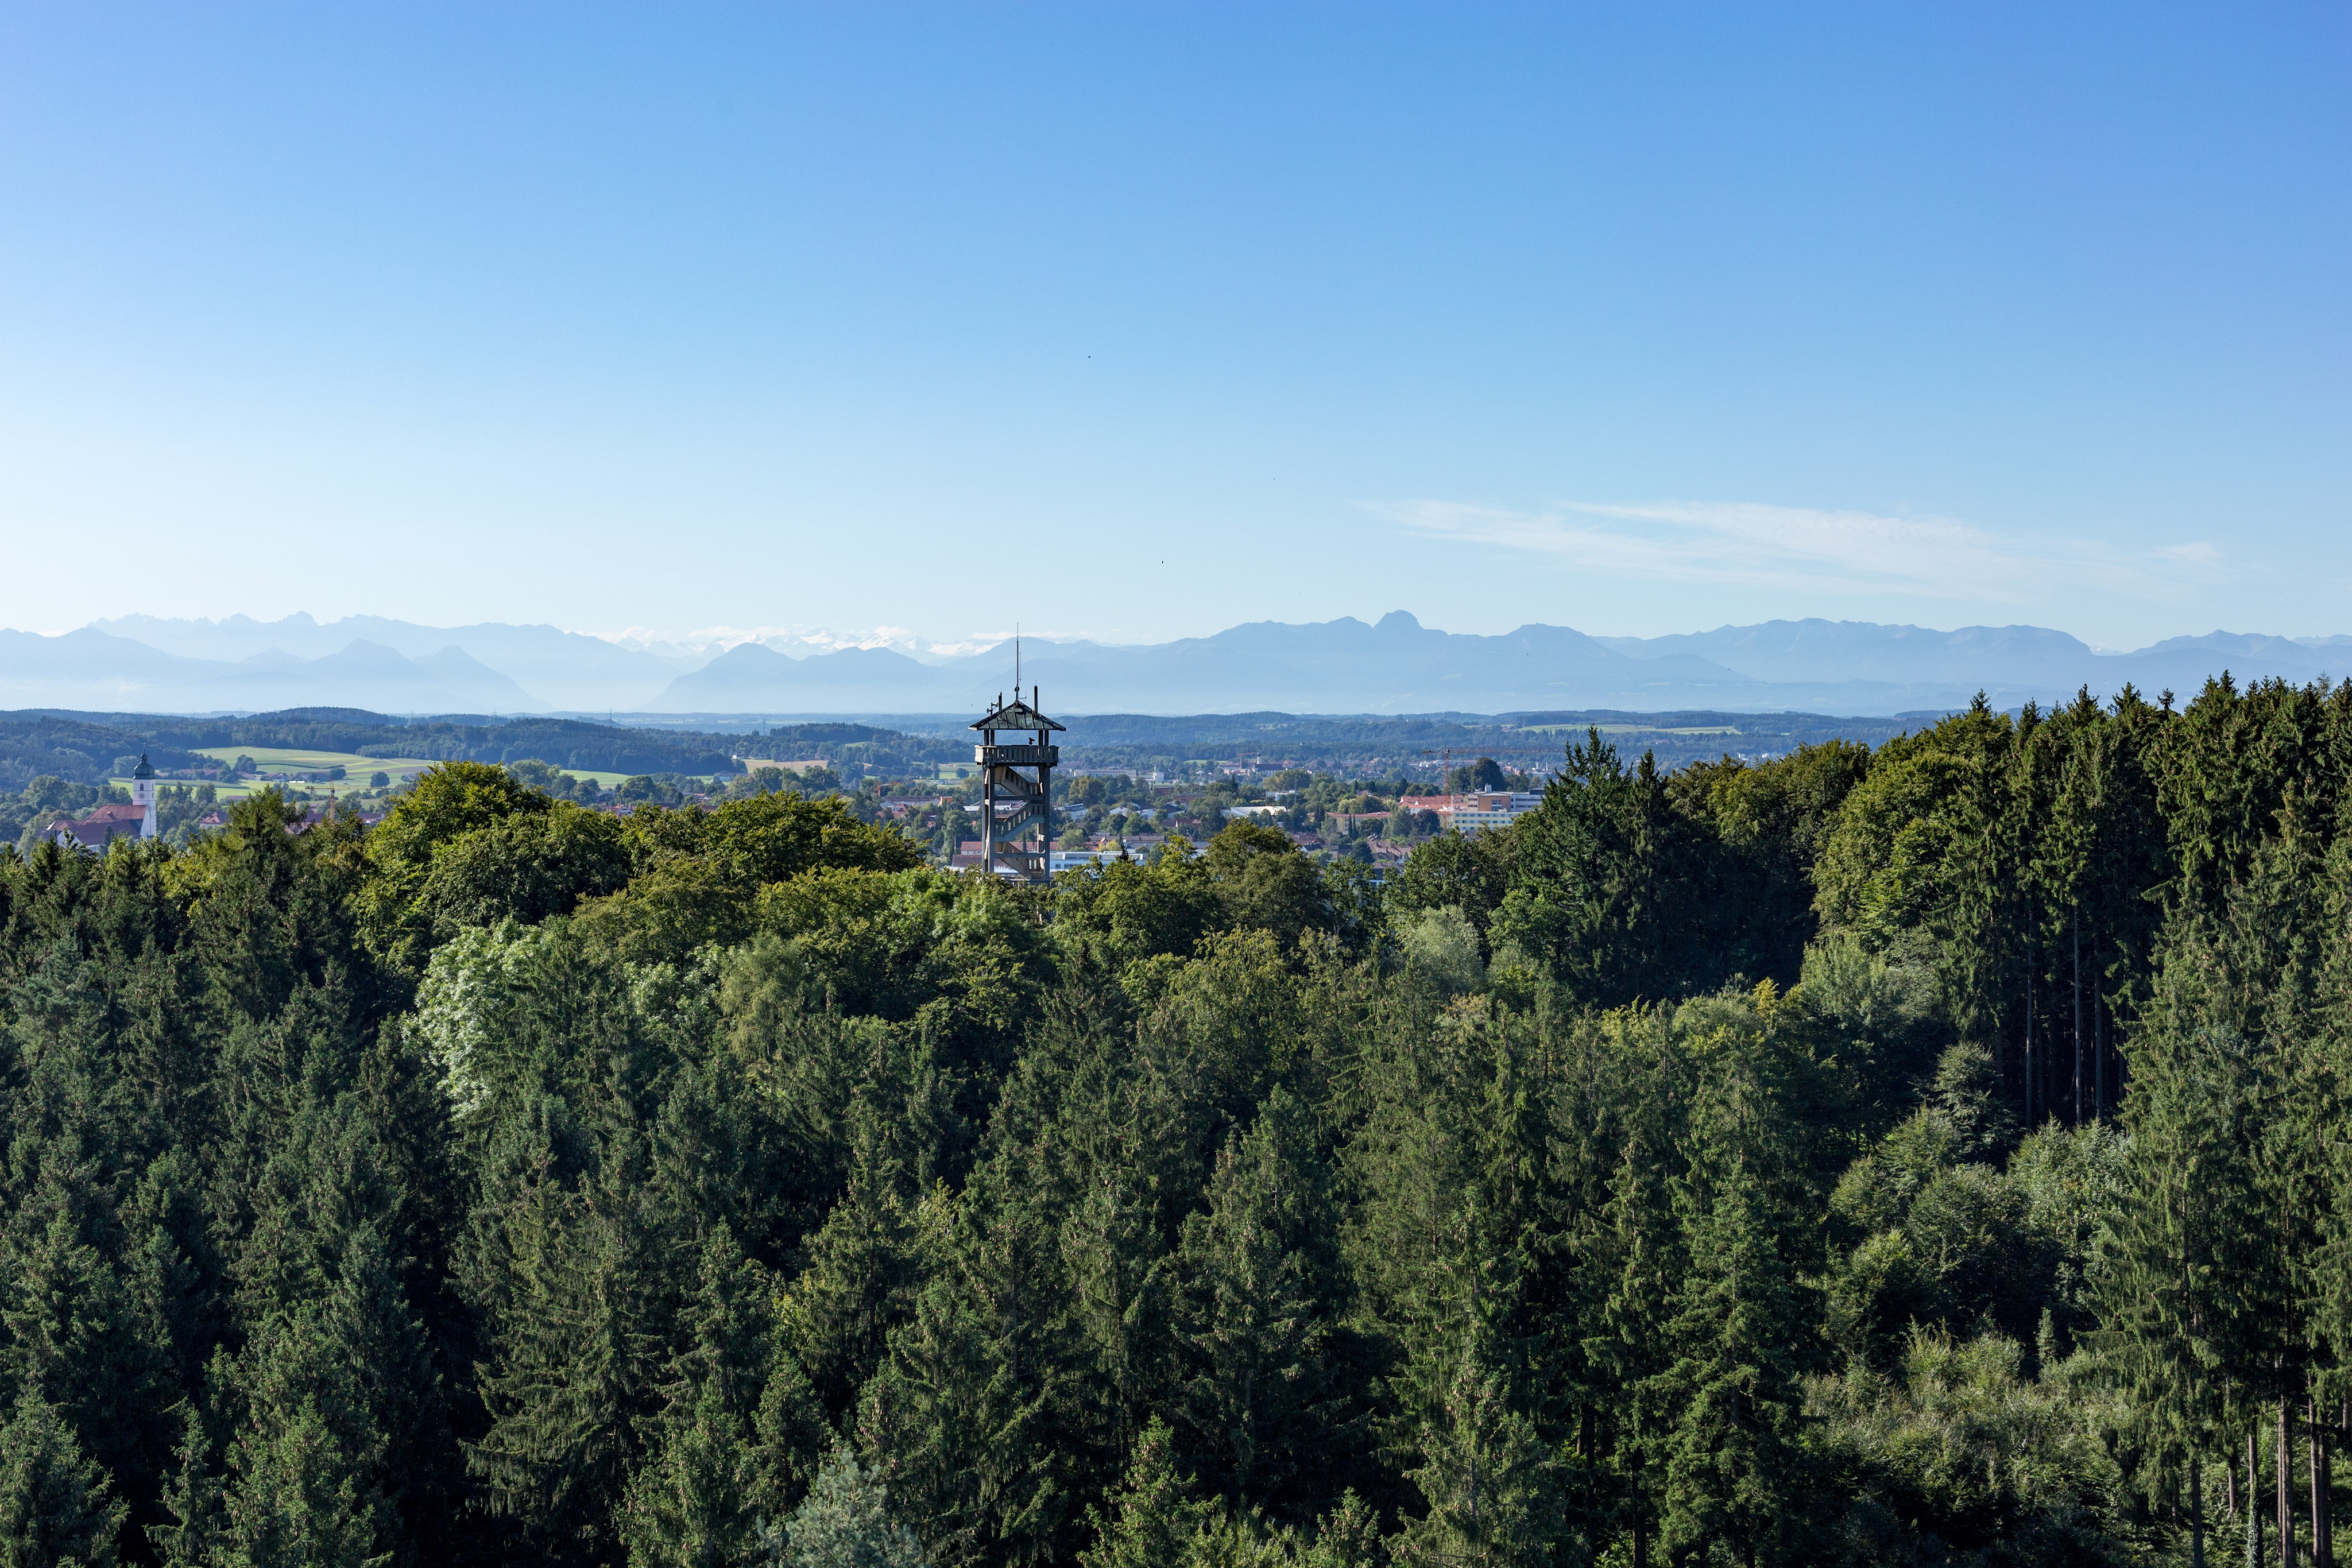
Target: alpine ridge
{"points": [[1391, 665]]}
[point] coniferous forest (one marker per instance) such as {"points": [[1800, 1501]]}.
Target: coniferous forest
{"points": [[1930, 1154]]}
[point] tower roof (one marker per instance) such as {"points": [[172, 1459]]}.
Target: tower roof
{"points": [[144, 770], [1014, 715]]}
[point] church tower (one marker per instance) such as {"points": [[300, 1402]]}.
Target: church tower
{"points": [[1016, 790], [143, 794]]}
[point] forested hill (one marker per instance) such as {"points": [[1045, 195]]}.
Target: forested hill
{"points": [[1369, 743], [1918, 1155], [84, 746]]}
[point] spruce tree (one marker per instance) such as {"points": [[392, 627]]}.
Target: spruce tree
{"points": [[967, 1413], [1153, 1517], [1489, 1482], [1639, 1260], [692, 1500], [1256, 1316], [1121, 1280], [864, 1264], [1735, 1462], [1609, 885], [56, 1509], [191, 1497], [846, 1522], [576, 1361]]}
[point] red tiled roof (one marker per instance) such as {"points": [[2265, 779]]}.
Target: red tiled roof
{"points": [[93, 832]]}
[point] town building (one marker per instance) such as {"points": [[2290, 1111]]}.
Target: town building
{"points": [[143, 796], [115, 820], [1083, 859], [99, 828], [1483, 809]]}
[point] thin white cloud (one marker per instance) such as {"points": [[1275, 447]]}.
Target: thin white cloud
{"points": [[1751, 544], [801, 641]]}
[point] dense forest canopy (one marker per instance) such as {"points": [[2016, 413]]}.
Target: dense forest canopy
{"points": [[1925, 1155]]}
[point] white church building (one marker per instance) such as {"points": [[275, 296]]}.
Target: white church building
{"points": [[114, 820]]}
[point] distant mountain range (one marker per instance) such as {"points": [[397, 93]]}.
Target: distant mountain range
{"points": [[1393, 665], [544, 667]]}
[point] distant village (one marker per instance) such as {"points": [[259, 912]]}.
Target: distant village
{"points": [[1096, 813]]}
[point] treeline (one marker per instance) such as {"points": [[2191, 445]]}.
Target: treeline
{"points": [[72, 751], [1694, 1173], [862, 751], [1425, 745], [85, 748], [171, 741]]}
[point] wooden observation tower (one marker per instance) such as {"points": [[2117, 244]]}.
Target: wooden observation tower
{"points": [[1016, 792]]}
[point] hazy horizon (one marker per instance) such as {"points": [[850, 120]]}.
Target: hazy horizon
{"points": [[1393, 662], [812, 638]]}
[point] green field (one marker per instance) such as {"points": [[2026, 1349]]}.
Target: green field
{"points": [[358, 770], [1628, 729], [608, 781], [222, 792], [285, 759]]}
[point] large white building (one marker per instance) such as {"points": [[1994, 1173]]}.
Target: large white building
{"points": [[114, 819], [1485, 808]]}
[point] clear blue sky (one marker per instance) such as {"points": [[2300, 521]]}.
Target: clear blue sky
{"points": [[1139, 320]]}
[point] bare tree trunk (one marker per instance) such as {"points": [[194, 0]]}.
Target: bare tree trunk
{"points": [[2098, 1051], [2078, 1015], [2255, 1496], [2196, 1511], [2322, 1531], [1585, 1448], [2284, 1466]]}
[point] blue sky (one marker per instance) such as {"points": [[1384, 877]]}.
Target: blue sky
{"points": [[1136, 321]]}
